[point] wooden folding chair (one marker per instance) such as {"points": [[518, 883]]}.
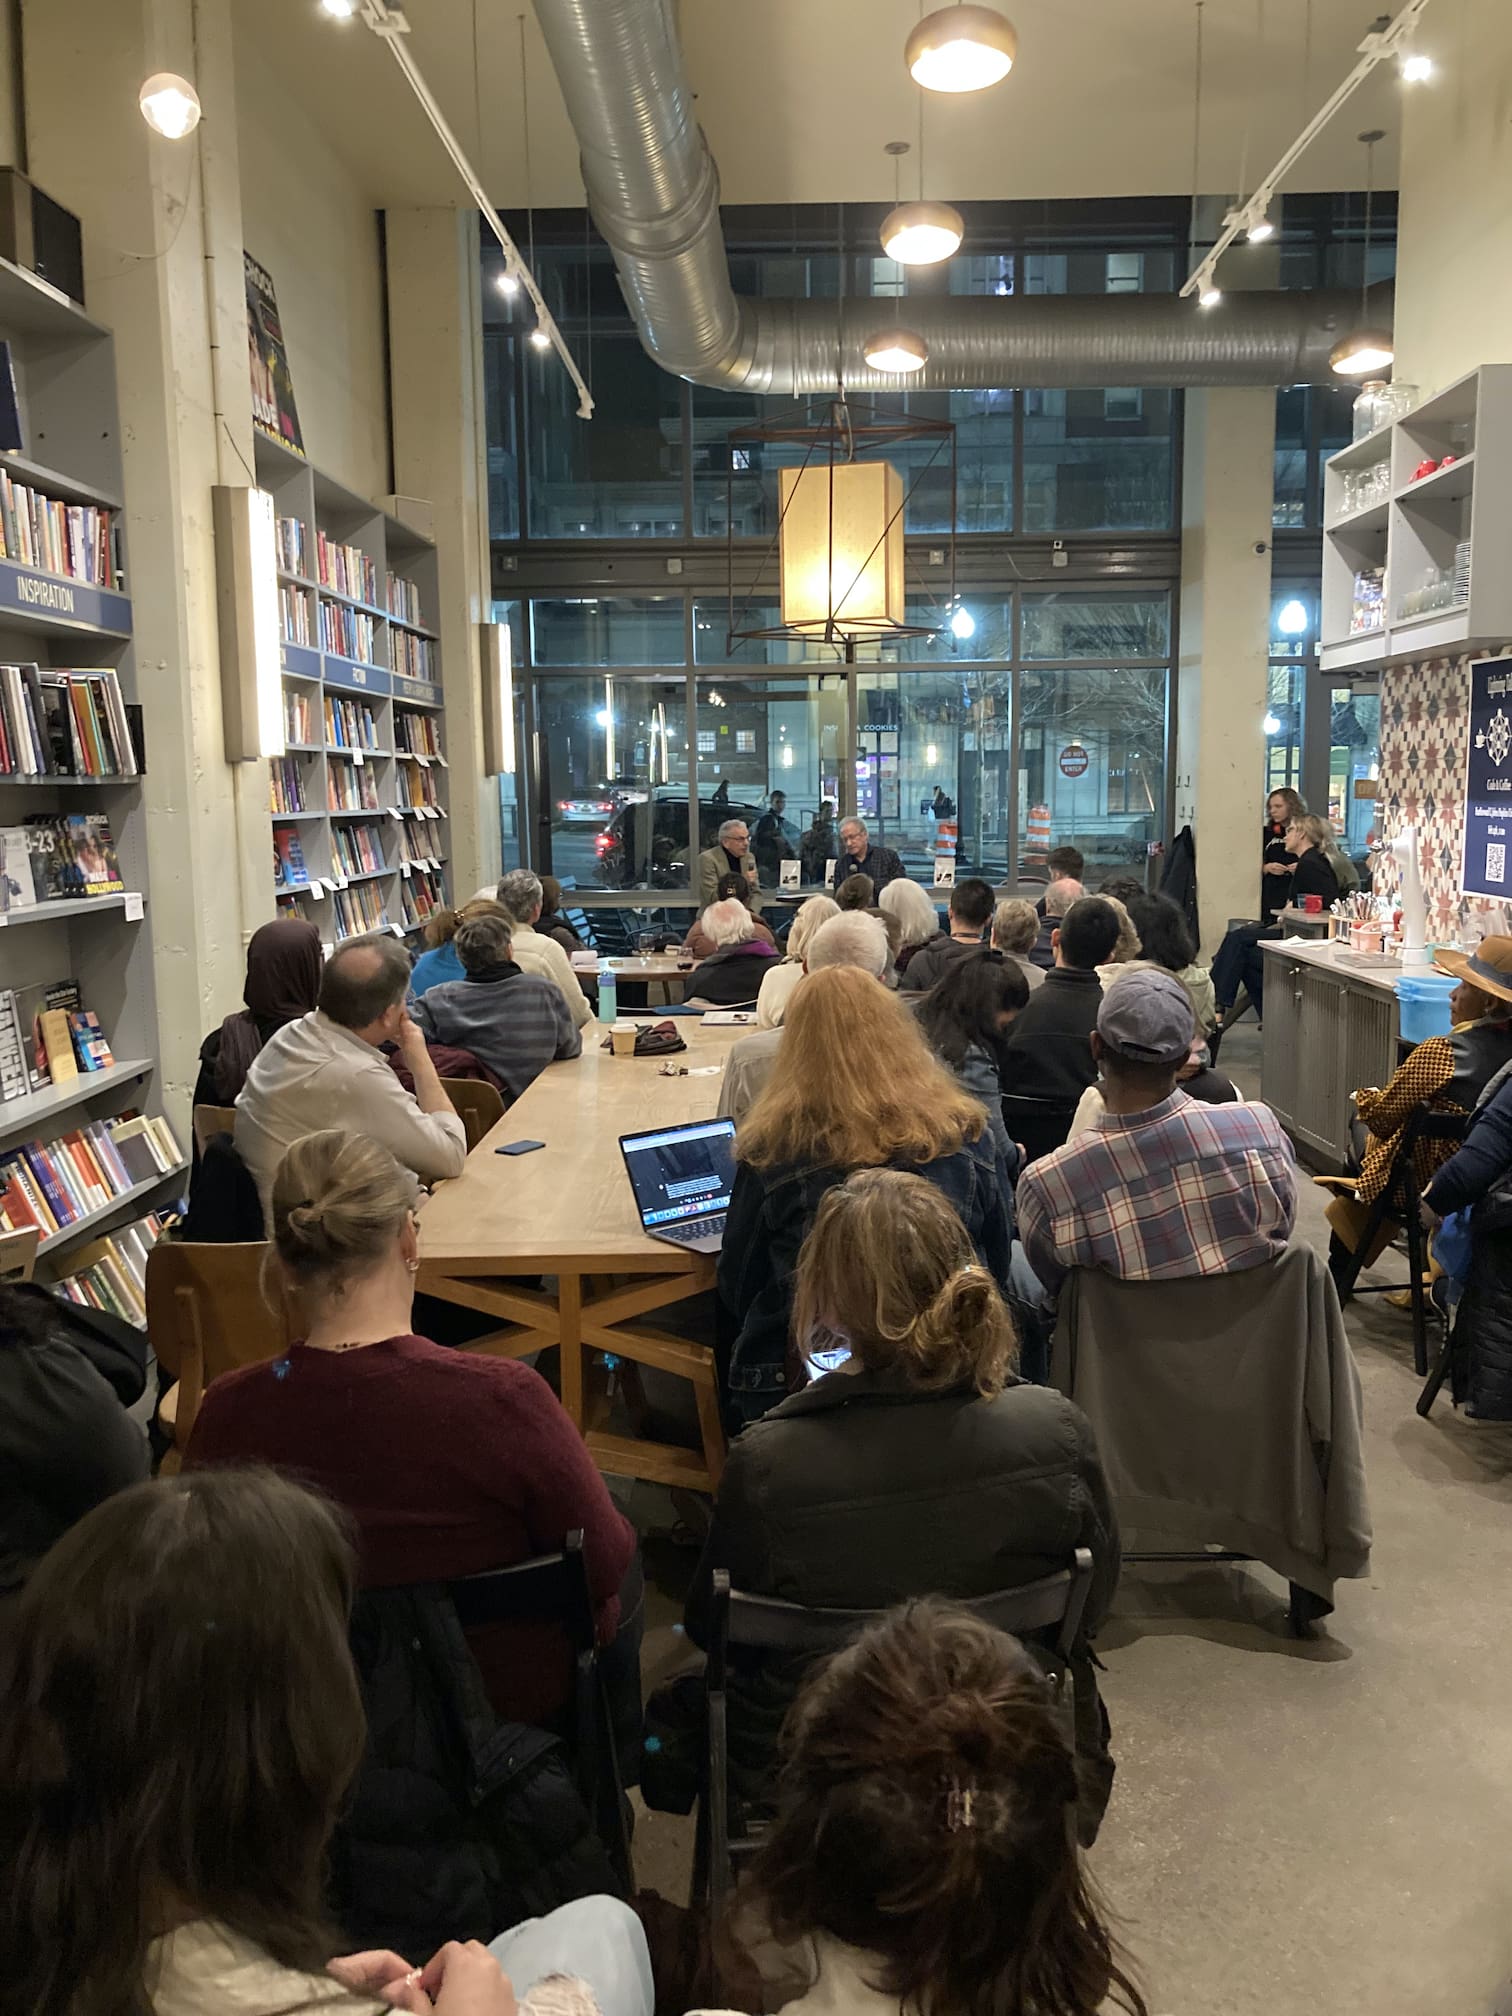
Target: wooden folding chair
{"points": [[208, 1121], [206, 1315], [476, 1105], [18, 1254]]}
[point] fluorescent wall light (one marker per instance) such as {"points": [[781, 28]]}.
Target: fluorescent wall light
{"points": [[498, 700], [246, 572]]}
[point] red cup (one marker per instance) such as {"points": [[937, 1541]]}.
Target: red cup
{"points": [[1312, 905]]}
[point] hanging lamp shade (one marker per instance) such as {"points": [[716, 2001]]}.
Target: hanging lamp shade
{"points": [[922, 234], [961, 49], [1362, 352], [841, 547], [896, 350]]}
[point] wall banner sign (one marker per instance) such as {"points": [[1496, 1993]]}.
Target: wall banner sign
{"points": [[1488, 780]]}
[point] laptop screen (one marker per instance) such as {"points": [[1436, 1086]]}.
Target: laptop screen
{"points": [[681, 1172]]}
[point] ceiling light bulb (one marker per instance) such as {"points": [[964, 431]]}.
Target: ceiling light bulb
{"points": [[961, 49], [1416, 69], [170, 105], [1209, 296], [1260, 229], [508, 282], [339, 10], [896, 350], [922, 234], [540, 337], [963, 624], [1362, 352]]}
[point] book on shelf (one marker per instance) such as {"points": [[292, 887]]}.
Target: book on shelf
{"points": [[289, 535], [357, 850], [417, 785], [91, 1044], [402, 599], [286, 790], [78, 541], [289, 870], [348, 632], [359, 910], [409, 655], [69, 854], [345, 570], [53, 1184], [17, 890], [15, 1079], [289, 905], [56, 1039], [350, 724], [111, 1273], [56, 723], [416, 734], [293, 614], [421, 894], [299, 717], [351, 787]]}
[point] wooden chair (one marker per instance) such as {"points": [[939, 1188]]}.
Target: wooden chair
{"points": [[477, 1105], [206, 1315], [208, 1121], [18, 1254]]}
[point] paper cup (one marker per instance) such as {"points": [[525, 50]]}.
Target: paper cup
{"points": [[622, 1036]]}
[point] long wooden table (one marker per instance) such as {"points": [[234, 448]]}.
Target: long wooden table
{"points": [[568, 1210]]}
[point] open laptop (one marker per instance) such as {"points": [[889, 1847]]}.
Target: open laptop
{"points": [[682, 1177]]}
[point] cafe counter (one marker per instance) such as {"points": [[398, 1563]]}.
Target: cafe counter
{"points": [[1331, 1025]]}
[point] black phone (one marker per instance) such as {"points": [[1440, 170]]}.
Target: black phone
{"points": [[519, 1147]]}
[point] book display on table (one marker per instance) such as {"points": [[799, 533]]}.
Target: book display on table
{"points": [[358, 799], [85, 1154]]}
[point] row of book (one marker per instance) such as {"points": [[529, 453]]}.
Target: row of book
{"points": [[293, 614], [350, 788], [421, 894], [52, 856], [289, 905], [63, 724], [348, 632], [357, 850], [65, 1041], [359, 910], [299, 716], [289, 870], [416, 842], [417, 784], [345, 570], [350, 724], [53, 1184], [409, 655], [79, 541], [403, 600], [416, 734], [111, 1273], [286, 784], [289, 534]]}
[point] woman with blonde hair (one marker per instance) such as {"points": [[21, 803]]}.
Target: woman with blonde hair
{"points": [[858, 1088], [921, 1465], [917, 918], [776, 988], [441, 961]]}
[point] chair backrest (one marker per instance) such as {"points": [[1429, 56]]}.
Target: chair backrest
{"points": [[208, 1121], [206, 1315], [477, 1105], [551, 1586], [18, 1254], [1041, 1124], [1424, 1123]]}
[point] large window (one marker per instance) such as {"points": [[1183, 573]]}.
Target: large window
{"points": [[1092, 766], [614, 779]]}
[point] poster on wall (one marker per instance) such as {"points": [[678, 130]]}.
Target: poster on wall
{"points": [[273, 408], [1488, 780]]}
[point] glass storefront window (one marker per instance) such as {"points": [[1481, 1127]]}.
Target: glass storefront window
{"points": [[503, 445], [511, 783], [614, 779], [1091, 768], [1293, 649], [608, 630], [1075, 624], [1098, 461], [772, 750], [618, 475], [934, 752], [1354, 766]]}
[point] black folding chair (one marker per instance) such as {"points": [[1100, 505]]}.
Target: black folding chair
{"points": [[1042, 1125], [766, 1623], [553, 1588], [1399, 1201]]}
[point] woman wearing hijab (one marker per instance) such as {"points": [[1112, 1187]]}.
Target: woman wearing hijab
{"points": [[283, 979]]}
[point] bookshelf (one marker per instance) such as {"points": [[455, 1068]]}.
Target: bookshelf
{"points": [[360, 799], [64, 365]]}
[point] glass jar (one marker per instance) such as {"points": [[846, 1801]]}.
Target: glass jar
{"points": [[1372, 408], [1400, 400]]}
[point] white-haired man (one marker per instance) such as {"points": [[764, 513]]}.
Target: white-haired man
{"points": [[851, 939], [730, 855], [520, 896], [858, 856]]}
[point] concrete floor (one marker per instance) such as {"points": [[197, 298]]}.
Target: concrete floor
{"points": [[1298, 1828]]}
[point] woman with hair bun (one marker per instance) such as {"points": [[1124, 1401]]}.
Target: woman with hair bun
{"points": [[923, 1849], [449, 1462], [921, 1466]]}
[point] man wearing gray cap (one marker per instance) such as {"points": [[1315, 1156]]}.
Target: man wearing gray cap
{"points": [[1162, 1187]]}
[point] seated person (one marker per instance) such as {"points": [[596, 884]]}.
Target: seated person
{"points": [[966, 1017], [732, 974], [1166, 943], [859, 855], [1048, 1053], [1240, 965], [495, 1471], [730, 855], [552, 922], [856, 892], [1015, 930], [1053, 905], [920, 1857], [514, 1022], [283, 983], [439, 960], [1448, 1073], [917, 919], [1062, 864], [968, 916], [184, 1653], [328, 1069], [521, 897], [781, 979], [1126, 945], [1163, 1187], [67, 1376], [1474, 1182], [858, 1089], [728, 888], [921, 1466], [849, 939]]}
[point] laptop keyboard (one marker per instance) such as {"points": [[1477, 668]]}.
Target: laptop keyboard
{"points": [[694, 1228]]}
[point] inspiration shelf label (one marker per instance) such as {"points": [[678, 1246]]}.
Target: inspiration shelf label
{"points": [[75, 602]]}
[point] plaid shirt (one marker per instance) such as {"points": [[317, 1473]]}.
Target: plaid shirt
{"points": [[1181, 1189]]}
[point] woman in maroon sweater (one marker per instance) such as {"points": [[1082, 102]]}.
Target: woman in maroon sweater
{"points": [[448, 1463]]}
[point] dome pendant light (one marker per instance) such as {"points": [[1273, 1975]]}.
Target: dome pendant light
{"points": [[170, 105], [896, 350], [921, 233], [961, 49], [1367, 349]]}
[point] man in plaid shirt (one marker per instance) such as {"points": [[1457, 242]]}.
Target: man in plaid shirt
{"points": [[1163, 1186]]}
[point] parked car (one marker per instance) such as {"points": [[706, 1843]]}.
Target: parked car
{"points": [[582, 811], [646, 845]]}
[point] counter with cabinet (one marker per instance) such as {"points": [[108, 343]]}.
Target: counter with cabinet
{"points": [[1330, 1026]]}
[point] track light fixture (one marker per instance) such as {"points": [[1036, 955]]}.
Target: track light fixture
{"points": [[1209, 295]]}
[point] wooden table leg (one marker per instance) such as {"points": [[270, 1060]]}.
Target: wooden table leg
{"points": [[570, 1316]]}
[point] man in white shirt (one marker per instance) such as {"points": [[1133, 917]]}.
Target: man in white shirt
{"points": [[851, 939], [327, 1070], [520, 895]]}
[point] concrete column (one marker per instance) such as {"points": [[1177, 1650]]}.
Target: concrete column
{"points": [[436, 375], [162, 238], [1227, 488]]}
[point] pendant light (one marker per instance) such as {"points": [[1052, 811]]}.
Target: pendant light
{"points": [[919, 234], [1368, 348], [897, 350], [170, 105], [961, 49]]}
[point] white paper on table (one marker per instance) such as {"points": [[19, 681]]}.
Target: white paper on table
{"points": [[787, 874], [829, 874]]}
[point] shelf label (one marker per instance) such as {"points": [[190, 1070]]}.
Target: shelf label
{"points": [[316, 886], [327, 947], [358, 758], [133, 906], [398, 933], [404, 870], [71, 602], [338, 882], [423, 761]]}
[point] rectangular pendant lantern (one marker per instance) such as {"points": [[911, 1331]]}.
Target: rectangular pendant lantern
{"points": [[842, 547]]}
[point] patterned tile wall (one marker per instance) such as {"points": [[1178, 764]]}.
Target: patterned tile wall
{"points": [[1424, 716]]}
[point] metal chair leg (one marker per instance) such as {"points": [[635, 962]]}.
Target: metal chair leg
{"points": [[1439, 1374]]}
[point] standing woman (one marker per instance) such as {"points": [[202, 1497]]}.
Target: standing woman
{"points": [[283, 980], [1240, 965], [1276, 863]]}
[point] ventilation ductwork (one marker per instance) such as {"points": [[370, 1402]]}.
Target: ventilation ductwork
{"points": [[654, 193]]}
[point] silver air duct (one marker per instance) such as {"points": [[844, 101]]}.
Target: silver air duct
{"points": [[654, 193]]}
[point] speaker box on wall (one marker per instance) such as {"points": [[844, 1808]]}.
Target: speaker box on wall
{"points": [[39, 234]]}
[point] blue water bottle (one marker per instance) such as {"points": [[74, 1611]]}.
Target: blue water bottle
{"points": [[608, 993]]}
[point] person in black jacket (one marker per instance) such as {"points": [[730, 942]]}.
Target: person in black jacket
{"points": [[1049, 1049], [1240, 964], [1276, 863], [971, 907], [921, 1465], [1478, 1178]]}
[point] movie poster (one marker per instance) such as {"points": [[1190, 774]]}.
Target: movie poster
{"points": [[273, 408]]}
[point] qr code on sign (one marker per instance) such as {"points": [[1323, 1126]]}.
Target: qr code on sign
{"points": [[1496, 861]]}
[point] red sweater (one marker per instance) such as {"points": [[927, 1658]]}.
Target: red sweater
{"points": [[449, 1464]]}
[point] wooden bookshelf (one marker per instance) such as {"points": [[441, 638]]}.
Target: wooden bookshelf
{"points": [[65, 372], [368, 848]]}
